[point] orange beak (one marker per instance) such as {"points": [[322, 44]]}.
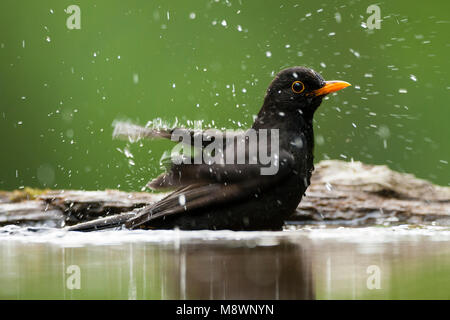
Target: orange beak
{"points": [[329, 87]]}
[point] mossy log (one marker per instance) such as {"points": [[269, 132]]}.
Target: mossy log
{"points": [[341, 193]]}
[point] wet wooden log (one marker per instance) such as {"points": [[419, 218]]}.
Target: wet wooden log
{"points": [[359, 194], [341, 193]]}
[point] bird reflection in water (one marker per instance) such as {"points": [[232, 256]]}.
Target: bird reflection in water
{"points": [[218, 271]]}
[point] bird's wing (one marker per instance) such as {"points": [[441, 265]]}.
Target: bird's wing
{"points": [[211, 185], [187, 171], [132, 132], [184, 174], [187, 199], [181, 175]]}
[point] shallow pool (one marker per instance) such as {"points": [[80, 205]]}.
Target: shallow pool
{"points": [[401, 262]]}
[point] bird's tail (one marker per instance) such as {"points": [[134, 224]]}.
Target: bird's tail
{"points": [[103, 223]]}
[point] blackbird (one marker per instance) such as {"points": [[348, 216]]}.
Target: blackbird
{"points": [[236, 195]]}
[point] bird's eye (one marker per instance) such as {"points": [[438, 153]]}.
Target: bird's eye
{"points": [[298, 86]]}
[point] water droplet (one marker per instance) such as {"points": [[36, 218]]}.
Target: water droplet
{"points": [[384, 132], [182, 200], [127, 153], [298, 143], [135, 78], [355, 53]]}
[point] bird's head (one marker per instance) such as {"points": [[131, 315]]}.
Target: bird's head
{"points": [[299, 89]]}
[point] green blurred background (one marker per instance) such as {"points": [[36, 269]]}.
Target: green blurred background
{"points": [[61, 89]]}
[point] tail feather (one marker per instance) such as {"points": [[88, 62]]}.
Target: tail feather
{"points": [[103, 223]]}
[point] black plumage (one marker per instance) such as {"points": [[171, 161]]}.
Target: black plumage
{"points": [[237, 196]]}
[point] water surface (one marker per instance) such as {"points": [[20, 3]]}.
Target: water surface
{"points": [[309, 263]]}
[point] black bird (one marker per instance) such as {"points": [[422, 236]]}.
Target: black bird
{"points": [[237, 196]]}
